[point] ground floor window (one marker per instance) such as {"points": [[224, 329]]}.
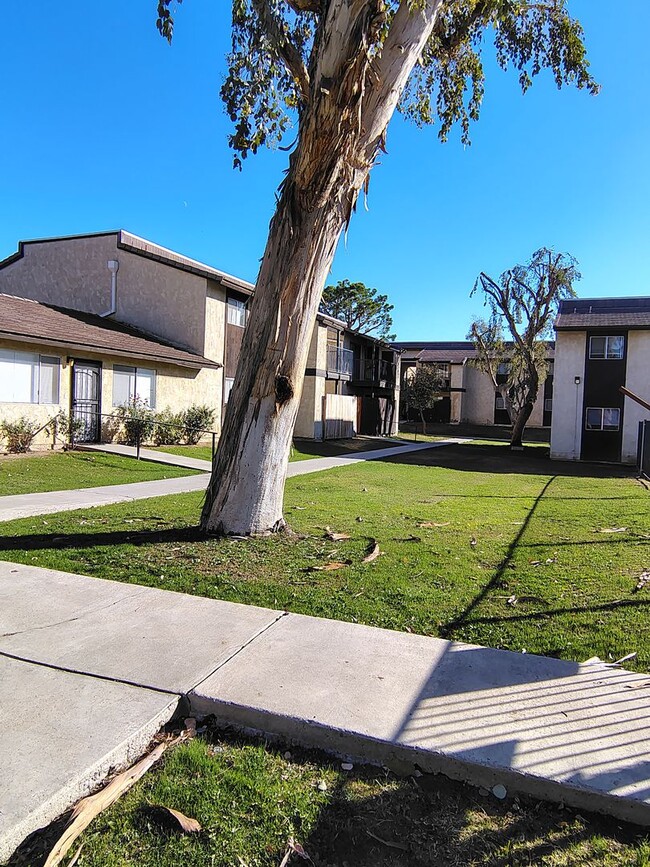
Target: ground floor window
{"points": [[26, 377], [602, 418], [132, 384]]}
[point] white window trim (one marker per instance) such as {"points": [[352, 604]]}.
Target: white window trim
{"points": [[236, 314], [134, 371], [37, 362], [602, 410]]}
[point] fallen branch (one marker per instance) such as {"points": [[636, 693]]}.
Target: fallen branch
{"points": [[89, 808]]}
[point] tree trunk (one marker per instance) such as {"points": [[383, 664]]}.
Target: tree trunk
{"points": [[424, 423], [340, 133], [526, 410]]}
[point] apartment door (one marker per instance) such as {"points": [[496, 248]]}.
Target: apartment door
{"points": [[86, 398]]}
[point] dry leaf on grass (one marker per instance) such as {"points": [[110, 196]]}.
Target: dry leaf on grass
{"points": [[172, 820], [644, 581], [335, 537], [328, 567], [434, 524], [373, 552], [294, 848], [612, 530]]}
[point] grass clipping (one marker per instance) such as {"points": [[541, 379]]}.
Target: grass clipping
{"points": [[89, 808]]}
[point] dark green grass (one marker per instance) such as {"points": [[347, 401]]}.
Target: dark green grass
{"points": [[251, 798], [301, 450], [503, 528], [64, 471]]}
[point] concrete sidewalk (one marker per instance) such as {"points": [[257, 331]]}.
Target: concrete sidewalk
{"points": [[29, 505], [150, 455], [91, 667]]}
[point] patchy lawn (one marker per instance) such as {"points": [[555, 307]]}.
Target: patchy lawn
{"points": [[301, 450], [65, 471], [250, 798], [478, 544]]}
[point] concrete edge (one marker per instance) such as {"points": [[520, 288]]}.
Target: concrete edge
{"points": [[349, 744], [88, 781]]}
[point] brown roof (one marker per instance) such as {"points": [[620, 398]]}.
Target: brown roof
{"points": [[582, 313], [454, 352], [45, 324]]}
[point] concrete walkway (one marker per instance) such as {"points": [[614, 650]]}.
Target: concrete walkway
{"points": [[28, 505], [151, 455], [90, 668]]}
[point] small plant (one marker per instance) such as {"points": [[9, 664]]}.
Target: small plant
{"points": [[19, 434], [137, 421], [196, 419], [68, 426], [169, 428]]}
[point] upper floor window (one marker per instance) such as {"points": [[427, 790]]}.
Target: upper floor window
{"points": [[228, 383], [606, 347], [499, 401], [443, 369], [26, 377], [236, 312], [134, 383]]}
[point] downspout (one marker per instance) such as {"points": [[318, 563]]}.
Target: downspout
{"points": [[113, 267]]}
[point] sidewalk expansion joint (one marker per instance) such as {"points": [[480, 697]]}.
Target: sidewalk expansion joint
{"points": [[94, 676], [235, 653]]}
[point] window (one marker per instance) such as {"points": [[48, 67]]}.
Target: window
{"points": [[606, 347], [602, 418], [134, 383], [236, 312], [503, 369], [26, 377], [228, 383], [499, 401], [550, 369], [548, 404]]}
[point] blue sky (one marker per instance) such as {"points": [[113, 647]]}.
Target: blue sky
{"points": [[106, 126]]}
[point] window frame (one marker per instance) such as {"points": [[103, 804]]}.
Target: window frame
{"points": [[236, 312], [610, 428], [131, 370], [228, 382], [607, 356], [36, 363]]}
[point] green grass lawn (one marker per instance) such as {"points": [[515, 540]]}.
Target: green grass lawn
{"points": [[64, 471], [478, 545], [251, 798], [301, 450]]}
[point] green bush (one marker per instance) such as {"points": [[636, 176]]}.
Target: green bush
{"points": [[169, 428], [68, 426], [19, 434], [196, 419], [137, 421]]}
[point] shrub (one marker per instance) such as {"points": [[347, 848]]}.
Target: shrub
{"points": [[196, 419], [169, 428], [137, 421], [19, 434], [69, 426]]}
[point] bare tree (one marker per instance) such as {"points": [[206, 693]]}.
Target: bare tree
{"points": [[522, 306], [339, 69]]}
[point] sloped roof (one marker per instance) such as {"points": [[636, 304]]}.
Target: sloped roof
{"points": [[582, 313], [46, 324], [446, 351]]}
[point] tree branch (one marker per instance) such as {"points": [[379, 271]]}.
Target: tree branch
{"points": [[288, 53]]}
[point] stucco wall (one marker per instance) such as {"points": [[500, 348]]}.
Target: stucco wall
{"points": [[637, 380], [566, 423], [478, 399], [151, 295]]}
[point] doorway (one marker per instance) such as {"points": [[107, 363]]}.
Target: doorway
{"points": [[86, 399]]}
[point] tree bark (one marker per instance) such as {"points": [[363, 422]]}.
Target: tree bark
{"points": [[341, 130], [525, 412]]}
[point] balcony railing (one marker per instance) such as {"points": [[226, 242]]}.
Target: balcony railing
{"points": [[373, 370], [340, 361]]}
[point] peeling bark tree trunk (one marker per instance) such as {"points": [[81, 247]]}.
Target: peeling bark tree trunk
{"points": [[353, 97]]}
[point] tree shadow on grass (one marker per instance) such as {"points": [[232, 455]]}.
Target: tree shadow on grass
{"points": [[481, 458], [375, 818], [92, 539]]}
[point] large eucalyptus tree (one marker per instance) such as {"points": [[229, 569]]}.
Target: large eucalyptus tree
{"points": [[338, 69]]}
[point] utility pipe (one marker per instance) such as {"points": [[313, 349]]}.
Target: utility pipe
{"points": [[113, 267]]}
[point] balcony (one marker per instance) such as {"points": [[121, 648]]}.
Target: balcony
{"points": [[374, 370], [340, 362]]}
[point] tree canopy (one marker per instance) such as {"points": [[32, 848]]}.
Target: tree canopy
{"points": [[522, 304], [422, 389], [360, 307], [274, 71]]}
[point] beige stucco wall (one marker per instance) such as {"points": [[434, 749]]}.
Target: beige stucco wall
{"points": [[73, 272], [566, 423], [478, 399], [637, 379], [38, 412]]}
